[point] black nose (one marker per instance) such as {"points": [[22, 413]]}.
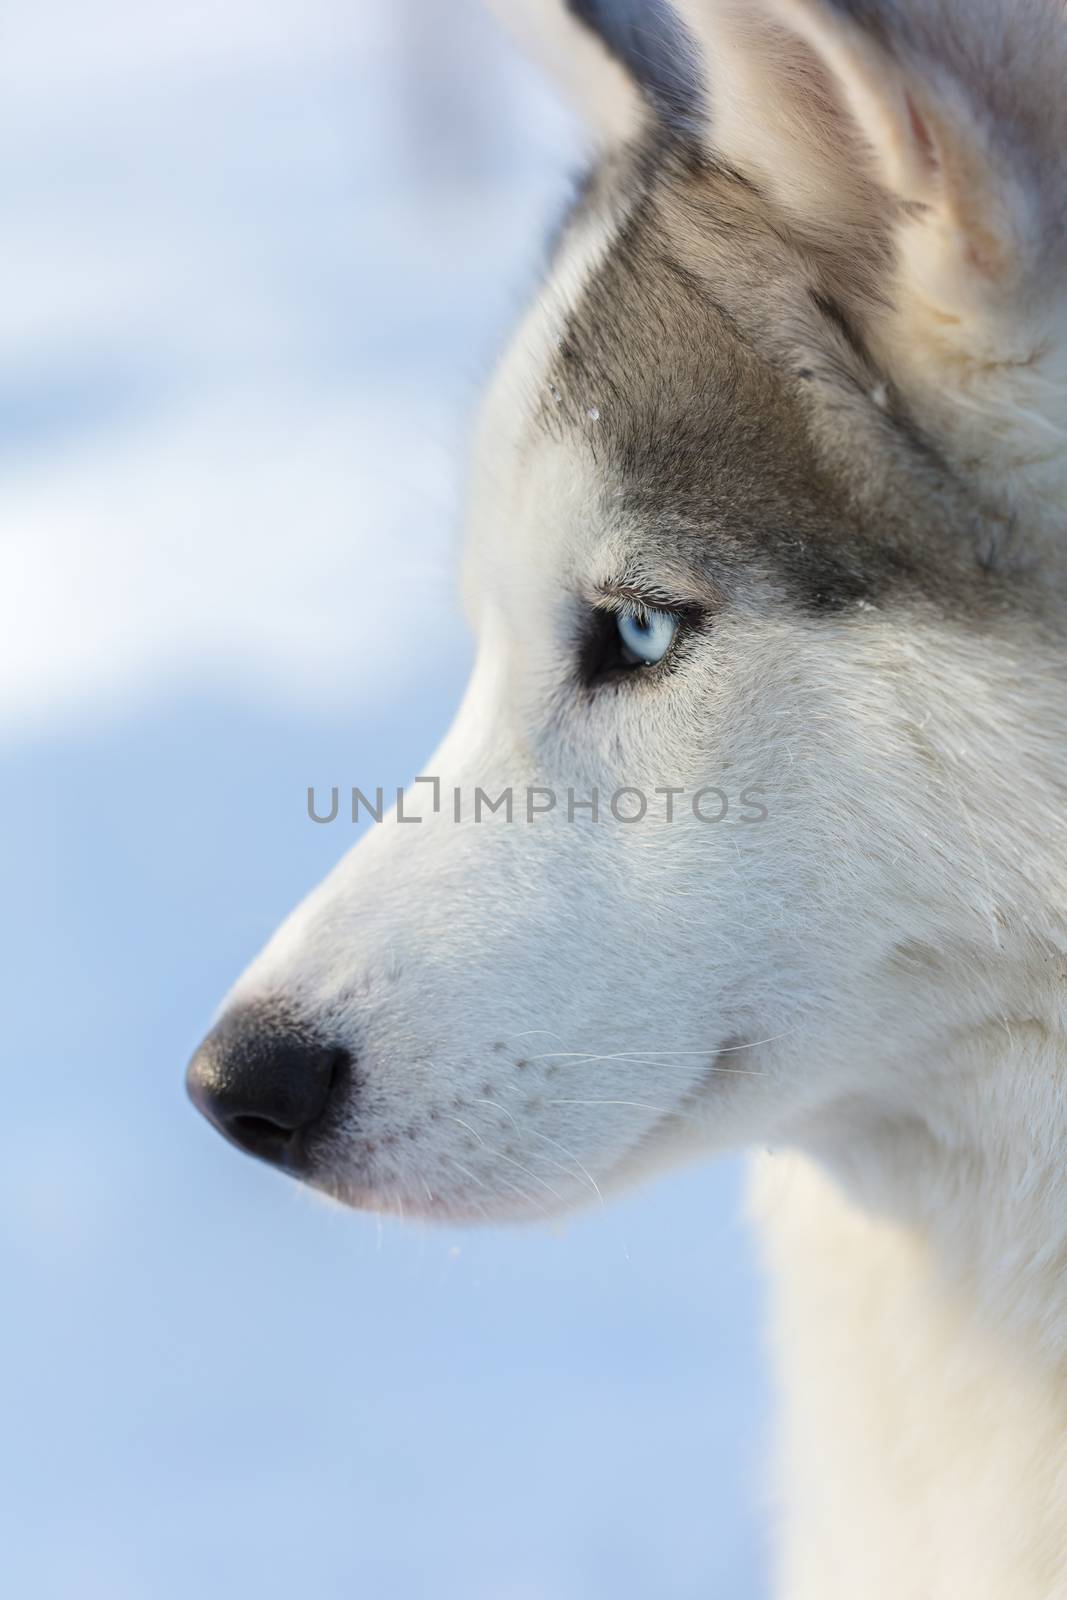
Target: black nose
{"points": [[266, 1082]]}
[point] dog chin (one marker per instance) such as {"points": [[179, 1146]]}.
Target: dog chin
{"points": [[683, 1133], [708, 1119]]}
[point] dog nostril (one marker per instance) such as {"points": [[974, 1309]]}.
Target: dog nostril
{"points": [[260, 1135], [266, 1083], [340, 1061]]}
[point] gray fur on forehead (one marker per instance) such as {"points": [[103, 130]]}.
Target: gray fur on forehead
{"points": [[735, 409]]}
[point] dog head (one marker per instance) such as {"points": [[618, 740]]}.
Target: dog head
{"points": [[745, 811]]}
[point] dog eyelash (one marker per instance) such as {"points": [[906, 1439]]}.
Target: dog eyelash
{"points": [[602, 657]]}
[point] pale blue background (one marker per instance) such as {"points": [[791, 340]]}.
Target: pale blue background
{"points": [[257, 258]]}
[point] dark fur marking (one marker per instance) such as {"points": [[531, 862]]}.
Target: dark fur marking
{"points": [[835, 315], [710, 438], [647, 38]]}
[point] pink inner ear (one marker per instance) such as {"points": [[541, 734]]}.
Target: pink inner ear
{"points": [[924, 139]]}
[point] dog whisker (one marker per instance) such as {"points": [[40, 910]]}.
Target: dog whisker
{"points": [[590, 1059], [637, 1105], [532, 1132], [679, 1053], [499, 1155]]}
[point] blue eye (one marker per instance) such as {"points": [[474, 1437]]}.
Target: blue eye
{"points": [[646, 635]]}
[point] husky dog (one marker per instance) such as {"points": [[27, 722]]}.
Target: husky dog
{"points": [[769, 492]]}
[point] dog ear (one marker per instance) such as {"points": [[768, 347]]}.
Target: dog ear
{"points": [[622, 63], [944, 118]]}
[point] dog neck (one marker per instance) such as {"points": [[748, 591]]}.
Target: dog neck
{"points": [[979, 1175], [920, 1288]]}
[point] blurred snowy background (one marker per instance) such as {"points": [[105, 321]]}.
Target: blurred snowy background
{"points": [[258, 256]]}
